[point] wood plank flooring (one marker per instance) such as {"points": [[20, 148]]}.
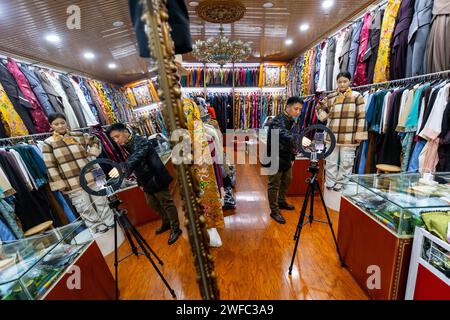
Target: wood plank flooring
{"points": [[254, 259]]}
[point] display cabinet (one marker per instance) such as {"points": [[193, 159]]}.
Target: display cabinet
{"points": [[29, 267], [377, 219], [429, 270]]}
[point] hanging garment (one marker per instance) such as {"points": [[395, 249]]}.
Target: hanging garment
{"points": [[39, 119], [371, 54], [322, 84], [12, 123], [312, 71], [331, 52], [418, 36], [203, 168], [354, 46], [345, 52], [437, 56], [444, 142], [400, 40], [339, 45], [103, 117], [73, 99], [22, 106], [360, 77], [54, 98], [382, 71], [68, 111], [38, 89]]}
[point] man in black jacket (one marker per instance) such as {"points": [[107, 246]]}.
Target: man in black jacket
{"points": [[279, 182], [152, 176]]}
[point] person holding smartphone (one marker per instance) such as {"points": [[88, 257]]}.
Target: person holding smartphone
{"points": [[344, 113]]}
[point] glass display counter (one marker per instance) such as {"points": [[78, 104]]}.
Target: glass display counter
{"points": [[30, 266]]}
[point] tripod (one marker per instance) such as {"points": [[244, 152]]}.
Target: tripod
{"points": [[120, 218], [313, 184]]}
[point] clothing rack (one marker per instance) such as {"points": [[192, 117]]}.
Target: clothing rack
{"points": [[45, 134], [429, 76]]}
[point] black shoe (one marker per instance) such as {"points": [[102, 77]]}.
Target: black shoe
{"points": [[278, 218], [174, 236], [162, 229], [286, 206]]}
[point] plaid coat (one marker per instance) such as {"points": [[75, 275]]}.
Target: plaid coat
{"points": [[65, 156], [346, 116]]}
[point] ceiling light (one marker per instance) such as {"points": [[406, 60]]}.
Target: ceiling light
{"points": [[112, 65], [268, 5], [304, 27], [53, 38], [193, 3], [327, 4], [118, 24], [89, 55], [289, 42]]}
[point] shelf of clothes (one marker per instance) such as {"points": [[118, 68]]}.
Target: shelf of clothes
{"points": [[403, 39], [252, 108], [29, 94], [409, 127], [26, 199], [149, 122]]}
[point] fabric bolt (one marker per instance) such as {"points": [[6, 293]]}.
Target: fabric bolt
{"points": [[12, 123], [354, 46], [39, 119], [382, 66], [331, 52], [38, 89], [73, 99], [437, 54], [371, 54], [54, 98], [418, 36], [400, 39], [344, 56], [360, 76], [22, 106]]}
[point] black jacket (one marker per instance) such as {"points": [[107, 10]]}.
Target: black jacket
{"points": [[286, 152], [150, 172]]}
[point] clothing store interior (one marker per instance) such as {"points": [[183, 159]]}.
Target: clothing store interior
{"points": [[314, 161]]}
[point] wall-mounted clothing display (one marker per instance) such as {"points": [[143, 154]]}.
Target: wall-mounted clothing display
{"points": [[401, 39]]}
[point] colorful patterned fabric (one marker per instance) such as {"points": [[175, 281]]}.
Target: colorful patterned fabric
{"points": [[382, 66], [203, 167], [11, 120]]}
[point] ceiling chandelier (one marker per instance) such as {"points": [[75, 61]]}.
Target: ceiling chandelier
{"points": [[219, 49]]}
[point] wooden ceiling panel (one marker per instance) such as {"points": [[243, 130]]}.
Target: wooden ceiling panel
{"points": [[25, 23], [268, 28]]}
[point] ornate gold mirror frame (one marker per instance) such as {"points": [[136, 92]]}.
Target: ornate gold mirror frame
{"points": [[161, 45]]}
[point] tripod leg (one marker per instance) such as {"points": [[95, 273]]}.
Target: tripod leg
{"points": [[130, 239], [140, 240], [299, 227], [138, 236], [311, 206], [304, 206], [331, 224], [116, 258]]}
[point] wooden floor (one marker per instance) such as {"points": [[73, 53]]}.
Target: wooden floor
{"points": [[254, 259]]}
